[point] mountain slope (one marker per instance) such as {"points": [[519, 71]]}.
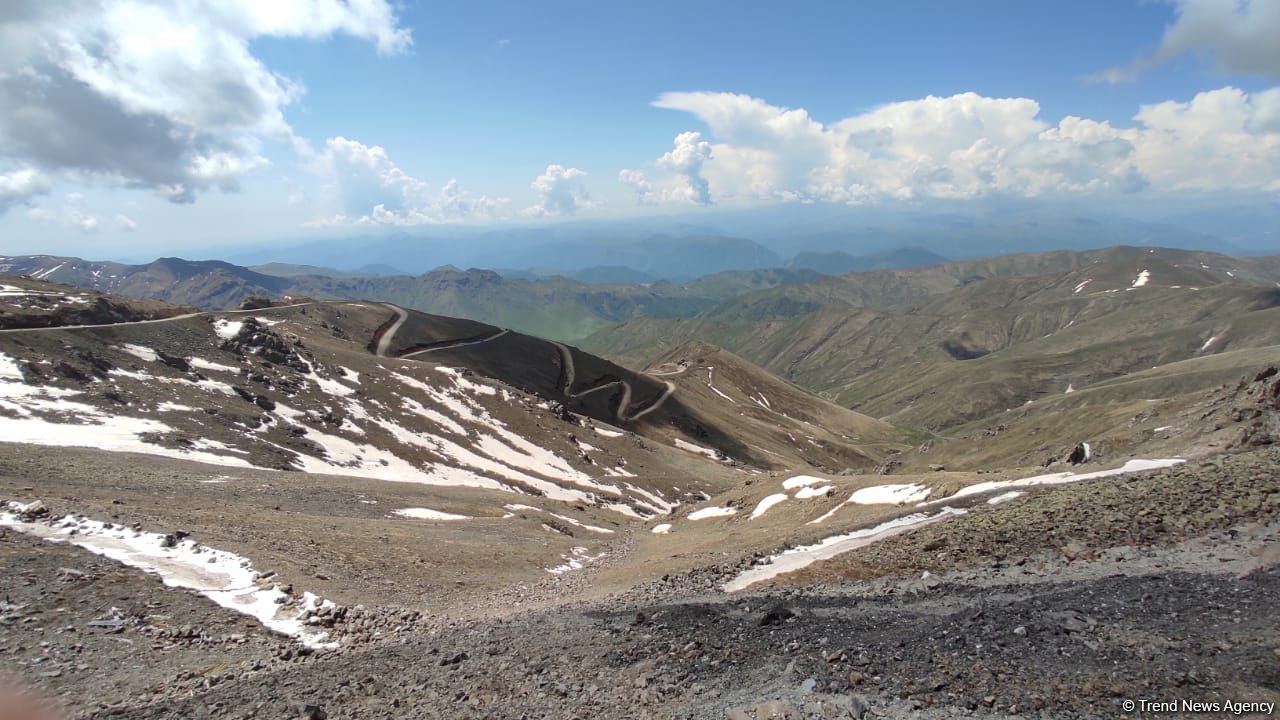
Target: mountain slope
{"points": [[206, 284], [773, 416], [988, 344]]}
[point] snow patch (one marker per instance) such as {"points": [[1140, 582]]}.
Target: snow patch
{"points": [[1142, 279], [9, 368], [805, 555], [419, 513], [765, 504], [1065, 477], [224, 577], [141, 352], [691, 447], [227, 329], [890, 494], [798, 481], [1005, 497], [663, 529], [712, 512], [197, 362], [577, 559], [806, 493]]}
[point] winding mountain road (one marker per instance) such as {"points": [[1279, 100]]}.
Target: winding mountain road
{"points": [[458, 344], [570, 374], [385, 341], [175, 318]]}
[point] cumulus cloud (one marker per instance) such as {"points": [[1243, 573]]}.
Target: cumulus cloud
{"points": [[160, 95], [21, 184], [636, 180], [70, 214], [560, 192], [968, 146], [686, 160], [373, 190], [1237, 35]]}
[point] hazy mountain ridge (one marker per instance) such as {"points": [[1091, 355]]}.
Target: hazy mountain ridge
{"points": [[1108, 314]]}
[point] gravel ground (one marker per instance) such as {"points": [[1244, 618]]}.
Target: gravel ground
{"points": [[1061, 604]]}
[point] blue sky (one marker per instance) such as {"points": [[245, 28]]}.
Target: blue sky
{"points": [[323, 118]]}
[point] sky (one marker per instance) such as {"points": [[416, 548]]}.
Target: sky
{"points": [[158, 126]]}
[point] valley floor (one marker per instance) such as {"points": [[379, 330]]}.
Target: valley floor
{"points": [[1063, 603]]}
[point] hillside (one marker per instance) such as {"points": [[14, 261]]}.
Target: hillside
{"points": [[555, 307], [206, 284], [343, 488], [985, 345], [27, 303]]}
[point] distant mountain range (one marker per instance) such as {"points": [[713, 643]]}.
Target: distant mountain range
{"points": [[836, 262], [957, 342], [936, 346], [553, 307]]}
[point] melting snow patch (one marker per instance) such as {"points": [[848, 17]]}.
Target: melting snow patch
{"points": [[1208, 342], [792, 483], [607, 433], [711, 512], [806, 493], [167, 406], [1142, 279], [663, 529], [577, 558], [331, 387], [1005, 497], [210, 365], [227, 329], [805, 555], [428, 514], [710, 379], [78, 424], [225, 578], [879, 495], [1065, 477], [1081, 286], [141, 352], [890, 494], [9, 369], [577, 523], [691, 447], [765, 504]]}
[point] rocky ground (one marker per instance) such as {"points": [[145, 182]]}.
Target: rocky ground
{"points": [[1061, 604]]}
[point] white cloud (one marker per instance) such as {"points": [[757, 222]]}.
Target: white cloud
{"points": [[374, 190], [20, 185], [1219, 140], [967, 146], [636, 180], [686, 161], [560, 192], [126, 223], [160, 95], [1237, 35], [71, 214]]}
